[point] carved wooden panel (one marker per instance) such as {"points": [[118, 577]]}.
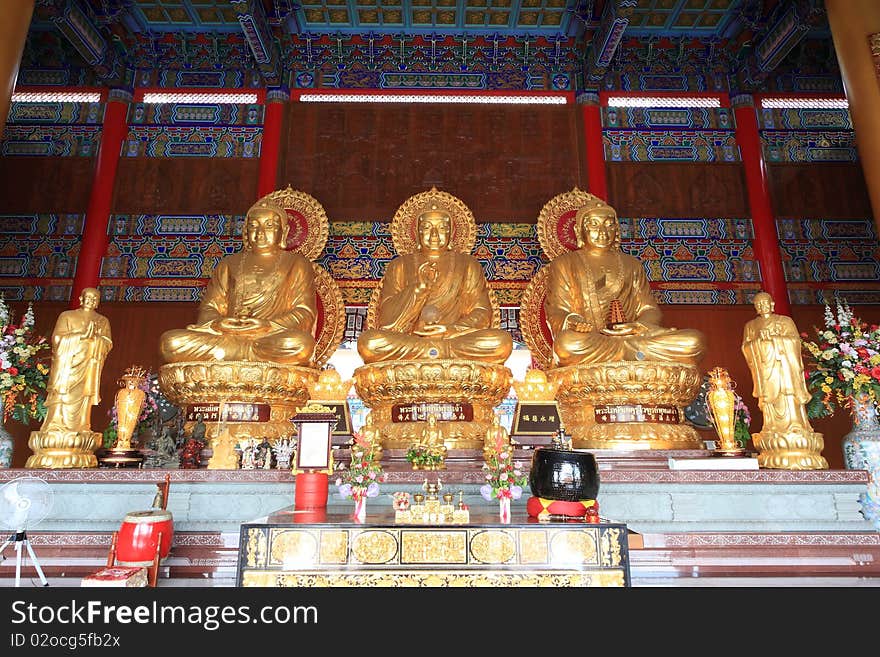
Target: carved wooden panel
{"points": [[819, 190], [677, 189], [361, 161], [185, 185], [46, 184]]}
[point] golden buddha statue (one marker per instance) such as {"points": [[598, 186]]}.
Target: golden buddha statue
{"points": [[590, 319], [772, 348], [434, 303], [80, 344], [259, 341], [259, 305], [497, 438], [586, 284]]}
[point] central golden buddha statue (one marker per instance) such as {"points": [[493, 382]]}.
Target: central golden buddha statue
{"points": [[433, 342], [248, 361], [589, 317], [260, 304], [583, 286], [434, 303]]}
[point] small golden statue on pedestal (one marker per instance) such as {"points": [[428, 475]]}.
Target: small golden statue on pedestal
{"points": [[224, 455], [772, 349], [128, 403], [429, 452], [80, 344], [497, 438], [624, 379]]}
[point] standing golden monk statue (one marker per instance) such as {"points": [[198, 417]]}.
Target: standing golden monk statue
{"points": [[80, 343], [772, 348], [586, 284], [260, 304], [434, 303]]}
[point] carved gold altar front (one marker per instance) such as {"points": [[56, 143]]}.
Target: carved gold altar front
{"points": [[384, 554]]}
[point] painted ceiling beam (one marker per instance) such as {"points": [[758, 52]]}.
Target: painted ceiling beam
{"points": [[606, 39], [259, 38], [786, 28], [76, 25]]}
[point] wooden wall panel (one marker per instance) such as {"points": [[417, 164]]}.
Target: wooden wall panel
{"points": [[361, 161], [136, 328], [51, 185], [185, 185], [819, 190], [677, 189]]}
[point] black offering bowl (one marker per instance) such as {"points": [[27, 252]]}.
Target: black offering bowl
{"points": [[564, 474]]}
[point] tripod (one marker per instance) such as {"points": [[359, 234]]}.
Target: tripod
{"points": [[20, 538]]}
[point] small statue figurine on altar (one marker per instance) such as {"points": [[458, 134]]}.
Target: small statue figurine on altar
{"points": [[224, 456], [129, 402], [249, 454], [199, 429], [599, 305], [497, 438], [264, 455], [191, 455], [429, 452], [772, 348], [283, 449]]}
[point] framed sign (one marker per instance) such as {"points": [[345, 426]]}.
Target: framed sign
{"points": [[535, 419], [343, 416], [314, 427]]}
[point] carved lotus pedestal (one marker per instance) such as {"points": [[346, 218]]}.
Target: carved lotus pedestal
{"points": [[628, 405], [63, 449], [257, 399], [462, 395], [794, 450]]}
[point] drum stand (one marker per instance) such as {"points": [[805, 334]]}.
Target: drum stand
{"points": [[20, 538]]}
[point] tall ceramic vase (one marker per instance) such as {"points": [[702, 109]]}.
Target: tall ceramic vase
{"points": [[7, 444], [861, 451]]}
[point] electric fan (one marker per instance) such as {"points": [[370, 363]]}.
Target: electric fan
{"points": [[24, 503]]}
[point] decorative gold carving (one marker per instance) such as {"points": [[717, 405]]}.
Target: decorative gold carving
{"points": [[645, 383], [560, 207], [533, 547], [311, 239], [374, 547], [493, 546], [532, 324], [283, 387], [334, 547], [432, 578], [610, 542], [332, 307], [256, 548], [482, 385], [569, 547], [63, 449], [403, 225], [535, 387], [314, 407], [424, 547], [330, 386], [294, 546]]}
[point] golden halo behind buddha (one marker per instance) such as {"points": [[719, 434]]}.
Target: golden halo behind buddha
{"points": [[557, 219], [405, 222], [309, 227]]}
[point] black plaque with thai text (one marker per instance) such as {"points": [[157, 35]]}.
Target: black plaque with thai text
{"points": [[232, 411], [443, 411]]}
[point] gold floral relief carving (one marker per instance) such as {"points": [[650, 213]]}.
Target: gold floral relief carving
{"points": [[611, 547], [428, 578], [874, 43], [493, 546], [334, 547], [533, 547], [433, 547], [295, 546], [573, 547], [374, 547], [256, 548]]}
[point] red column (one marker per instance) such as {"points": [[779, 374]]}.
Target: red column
{"points": [[766, 242], [594, 145], [271, 144], [95, 238]]}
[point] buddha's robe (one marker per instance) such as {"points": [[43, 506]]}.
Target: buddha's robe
{"points": [[458, 300]]}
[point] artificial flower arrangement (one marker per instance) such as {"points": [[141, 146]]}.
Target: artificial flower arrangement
{"points": [[843, 361], [23, 367], [504, 478], [742, 424], [150, 385], [361, 478], [423, 459]]}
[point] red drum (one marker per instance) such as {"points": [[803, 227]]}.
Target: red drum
{"points": [[310, 491], [139, 535]]}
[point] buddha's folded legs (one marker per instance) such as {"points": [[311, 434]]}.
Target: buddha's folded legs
{"points": [[184, 344], [289, 347], [682, 346], [490, 345]]}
